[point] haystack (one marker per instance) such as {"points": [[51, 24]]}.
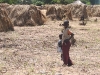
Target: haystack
{"points": [[78, 9], [36, 15], [84, 12], [51, 10], [68, 12], [58, 12], [4, 5], [26, 15], [9, 9], [93, 10], [5, 21]]}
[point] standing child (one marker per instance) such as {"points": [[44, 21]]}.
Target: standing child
{"points": [[59, 46], [67, 35]]}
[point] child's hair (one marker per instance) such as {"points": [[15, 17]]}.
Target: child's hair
{"points": [[60, 36]]}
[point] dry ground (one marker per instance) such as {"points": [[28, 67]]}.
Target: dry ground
{"points": [[33, 50]]}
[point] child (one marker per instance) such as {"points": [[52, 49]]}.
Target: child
{"points": [[59, 46], [66, 37]]}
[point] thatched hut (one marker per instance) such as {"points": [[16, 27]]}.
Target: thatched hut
{"points": [[5, 21]]}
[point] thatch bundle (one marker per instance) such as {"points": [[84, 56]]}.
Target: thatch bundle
{"points": [[9, 9], [5, 21], [93, 10], [51, 10], [67, 12], [58, 12], [85, 12], [30, 15], [26, 15], [79, 10], [37, 15], [4, 5], [61, 12]]}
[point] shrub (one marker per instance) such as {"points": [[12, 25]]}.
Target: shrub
{"points": [[39, 3]]}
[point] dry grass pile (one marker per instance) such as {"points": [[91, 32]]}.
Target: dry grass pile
{"points": [[51, 12], [27, 15], [86, 10], [93, 10], [69, 11], [30, 15], [4, 5], [51, 9], [61, 12], [72, 10], [18, 14], [58, 12], [9, 9], [78, 10], [36, 15], [5, 21]]}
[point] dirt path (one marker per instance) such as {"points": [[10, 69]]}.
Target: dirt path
{"points": [[33, 51]]}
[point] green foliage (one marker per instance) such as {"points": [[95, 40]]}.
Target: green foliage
{"points": [[47, 1], [39, 3], [34, 1], [1, 1], [86, 1], [27, 2], [55, 1], [9, 1], [19, 2], [66, 1]]}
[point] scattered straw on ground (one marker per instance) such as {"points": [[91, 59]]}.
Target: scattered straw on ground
{"points": [[33, 50]]}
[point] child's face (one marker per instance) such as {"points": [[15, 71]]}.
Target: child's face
{"points": [[66, 25]]}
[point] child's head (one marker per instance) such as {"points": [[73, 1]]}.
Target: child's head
{"points": [[60, 36], [66, 23]]}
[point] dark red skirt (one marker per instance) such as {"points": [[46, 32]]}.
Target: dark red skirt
{"points": [[66, 58]]}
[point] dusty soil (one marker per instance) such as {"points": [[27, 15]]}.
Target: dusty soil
{"points": [[33, 50]]}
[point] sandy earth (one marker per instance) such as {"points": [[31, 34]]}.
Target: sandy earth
{"points": [[33, 50]]}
